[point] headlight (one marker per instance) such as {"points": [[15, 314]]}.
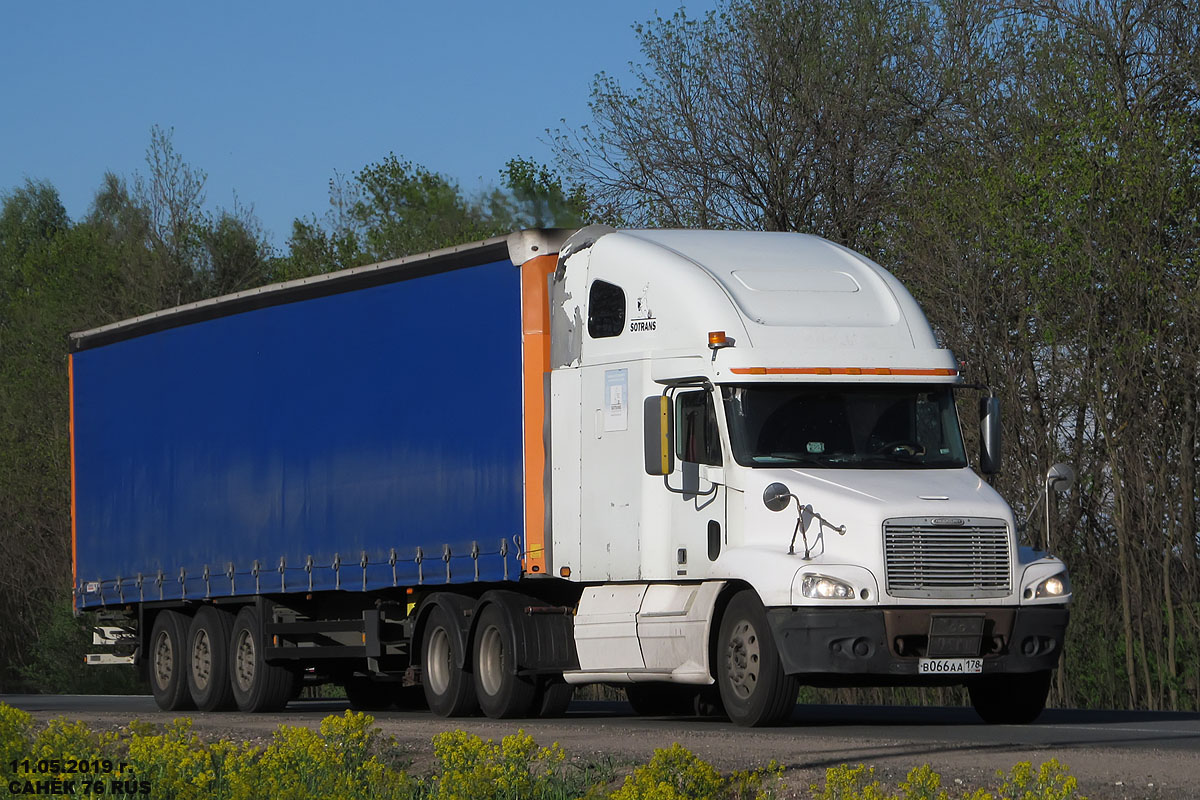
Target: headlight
{"points": [[1056, 586], [820, 587]]}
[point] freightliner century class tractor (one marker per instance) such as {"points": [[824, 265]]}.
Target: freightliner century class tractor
{"points": [[707, 466]]}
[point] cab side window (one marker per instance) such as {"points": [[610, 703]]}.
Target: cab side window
{"points": [[697, 438], [606, 310]]}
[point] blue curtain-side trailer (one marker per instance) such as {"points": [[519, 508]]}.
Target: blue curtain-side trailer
{"points": [[268, 485]]}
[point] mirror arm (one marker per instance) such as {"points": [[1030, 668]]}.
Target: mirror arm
{"points": [[667, 483]]}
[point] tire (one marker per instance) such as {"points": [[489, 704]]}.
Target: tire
{"points": [[208, 659], [502, 693], [754, 689], [365, 694], [662, 699], [166, 664], [1016, 699], [257, 686], [553, 697], [449, 690]]}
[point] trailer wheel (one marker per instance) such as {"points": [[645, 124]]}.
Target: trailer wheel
{"points": [[1016, 699], [754, 688], [448, 689], [502, 693], [166, 662], [208, 659], [257, 685]]}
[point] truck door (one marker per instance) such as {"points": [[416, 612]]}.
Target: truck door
{"points": [[697, 485]]}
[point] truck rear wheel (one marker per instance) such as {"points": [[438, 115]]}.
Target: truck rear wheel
{"points": [[448, 689], [166, 662], [1015, 699], [257, 685], [208, 659], [754, 688], [501, 691], [553, 697]]}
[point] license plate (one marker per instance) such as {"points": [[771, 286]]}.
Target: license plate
{"points": [[950, 666]]}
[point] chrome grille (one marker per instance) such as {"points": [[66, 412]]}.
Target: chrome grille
{"points": [[944, 557]]}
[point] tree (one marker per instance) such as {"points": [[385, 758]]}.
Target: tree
{"points": [[395, 208], [1032, 172], [765, 114]]}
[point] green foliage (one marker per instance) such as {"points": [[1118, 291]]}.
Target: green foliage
{"points": [[538, 198], [16, 734], [57, 659], [349, 758], [1051, 781], [139, 250], [394, 208], [675, 773], [517, 768]]}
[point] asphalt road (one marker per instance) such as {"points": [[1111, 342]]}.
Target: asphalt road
{"points": [[1115, 754]]}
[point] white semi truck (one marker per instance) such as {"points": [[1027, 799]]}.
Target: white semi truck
{"points": [[709, 466]]}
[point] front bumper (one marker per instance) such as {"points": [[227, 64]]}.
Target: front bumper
{"points": [[887, 644]]}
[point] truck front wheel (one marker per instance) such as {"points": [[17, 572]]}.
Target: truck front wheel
{"points": [[166, 662], [754, 688], [257, 685], [448, 689], [1014, 699], [208, 659], [502, 692]]}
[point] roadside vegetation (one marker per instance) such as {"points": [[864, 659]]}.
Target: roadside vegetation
{"points": [[1030, 169], [347, 758]]}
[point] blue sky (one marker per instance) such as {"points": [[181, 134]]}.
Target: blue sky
{"points": [[271, 98]]}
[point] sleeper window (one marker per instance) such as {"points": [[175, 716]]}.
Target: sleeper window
{"points": [[606, 310]]}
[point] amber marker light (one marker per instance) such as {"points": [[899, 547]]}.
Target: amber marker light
{"points": [[564, 571], [717, 339]]}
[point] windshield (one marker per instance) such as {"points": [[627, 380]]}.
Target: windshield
{"points": [[900, 426]]}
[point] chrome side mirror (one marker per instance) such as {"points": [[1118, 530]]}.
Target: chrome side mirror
{"points": [[776, 497], [989, 435], [1060, 478]]}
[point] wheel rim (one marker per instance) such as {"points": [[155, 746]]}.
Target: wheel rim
{"points": [[244, 661], [201, 659], [164, 660], [438, 661], [742, 659], [491, 656]]}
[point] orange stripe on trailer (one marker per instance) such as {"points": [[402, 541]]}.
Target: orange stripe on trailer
{"points": [[535, 358], [919, 371], [71, 436]]}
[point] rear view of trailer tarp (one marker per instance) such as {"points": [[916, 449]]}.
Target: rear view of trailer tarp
{"points": [[356, 431]]}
